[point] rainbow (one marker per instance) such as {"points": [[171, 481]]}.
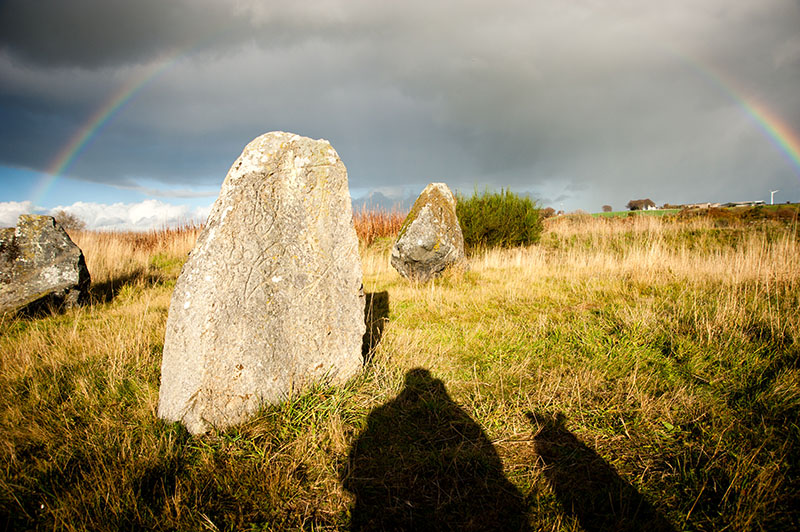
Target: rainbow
{"points": [[783, 136], [98, 119], [774, 127]]}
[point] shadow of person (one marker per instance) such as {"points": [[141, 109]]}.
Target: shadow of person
{"points": [[423, 464], [587, 486], [376, 314]]}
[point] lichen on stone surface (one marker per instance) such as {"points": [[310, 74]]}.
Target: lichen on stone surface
{"points": [[430, 239], [9, 251], [39, 263], [434, 195]]}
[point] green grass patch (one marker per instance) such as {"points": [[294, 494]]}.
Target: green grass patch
{"points": [[622, 214]]}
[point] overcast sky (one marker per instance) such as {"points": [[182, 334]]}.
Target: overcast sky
{"points": [[581, 103]]}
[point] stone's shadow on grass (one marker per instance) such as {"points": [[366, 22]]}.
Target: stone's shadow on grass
{"points": [[423, 464], [106, 291], [587, 486], [376, 314], [42, 308]]}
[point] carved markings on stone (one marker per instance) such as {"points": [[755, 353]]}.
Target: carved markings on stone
{"points": [[270, 299]]}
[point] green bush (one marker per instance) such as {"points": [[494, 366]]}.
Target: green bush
{"points": [[495, 219]]}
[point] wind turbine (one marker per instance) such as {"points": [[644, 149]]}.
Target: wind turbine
{"points": [[772, 196]]}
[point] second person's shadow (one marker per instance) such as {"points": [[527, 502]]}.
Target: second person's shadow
{"points": [[423, 464], [587, 486]]}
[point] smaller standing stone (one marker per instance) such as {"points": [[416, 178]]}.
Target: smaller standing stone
{"points": [[430, 240], [40, 264]]}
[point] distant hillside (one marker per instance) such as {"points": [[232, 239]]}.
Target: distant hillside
{"points": [[377, 201]]}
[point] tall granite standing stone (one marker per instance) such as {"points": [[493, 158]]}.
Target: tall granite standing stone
{"points": [[40, 265], [270, 299], [430, 240]]}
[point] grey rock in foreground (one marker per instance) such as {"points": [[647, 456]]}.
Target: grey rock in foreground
{"points": [[430, 240], [40, 265], [270, 300]]}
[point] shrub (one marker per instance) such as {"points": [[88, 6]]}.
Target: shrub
{"points": [[494, 219], [608, 208], [69, 221]]}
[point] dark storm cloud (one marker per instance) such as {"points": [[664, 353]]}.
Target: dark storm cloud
{"points": [[588, 101], [97, 33]]}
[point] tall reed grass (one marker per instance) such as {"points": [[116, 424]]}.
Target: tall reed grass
{"points": [[125, 256], [373, 224]]}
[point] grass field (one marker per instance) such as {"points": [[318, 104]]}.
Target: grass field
{"points": [[622, 214], [623, 373], [765, 211]]}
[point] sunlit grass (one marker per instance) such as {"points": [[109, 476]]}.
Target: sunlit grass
{"points": [[669, 348]]}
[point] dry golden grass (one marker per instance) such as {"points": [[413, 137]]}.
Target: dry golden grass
{"points": [[669, 349], [112, 255], [640, 323]]}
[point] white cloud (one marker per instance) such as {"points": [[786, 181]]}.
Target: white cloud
{"points": [[144, 215], [10, 211], [147, 214]]}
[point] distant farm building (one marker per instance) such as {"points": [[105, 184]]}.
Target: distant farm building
{"points": [[744, 203], [641, 205]]}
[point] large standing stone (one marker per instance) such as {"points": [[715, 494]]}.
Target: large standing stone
{"points": [[40, 265], [430, 239], [270, 299]]}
